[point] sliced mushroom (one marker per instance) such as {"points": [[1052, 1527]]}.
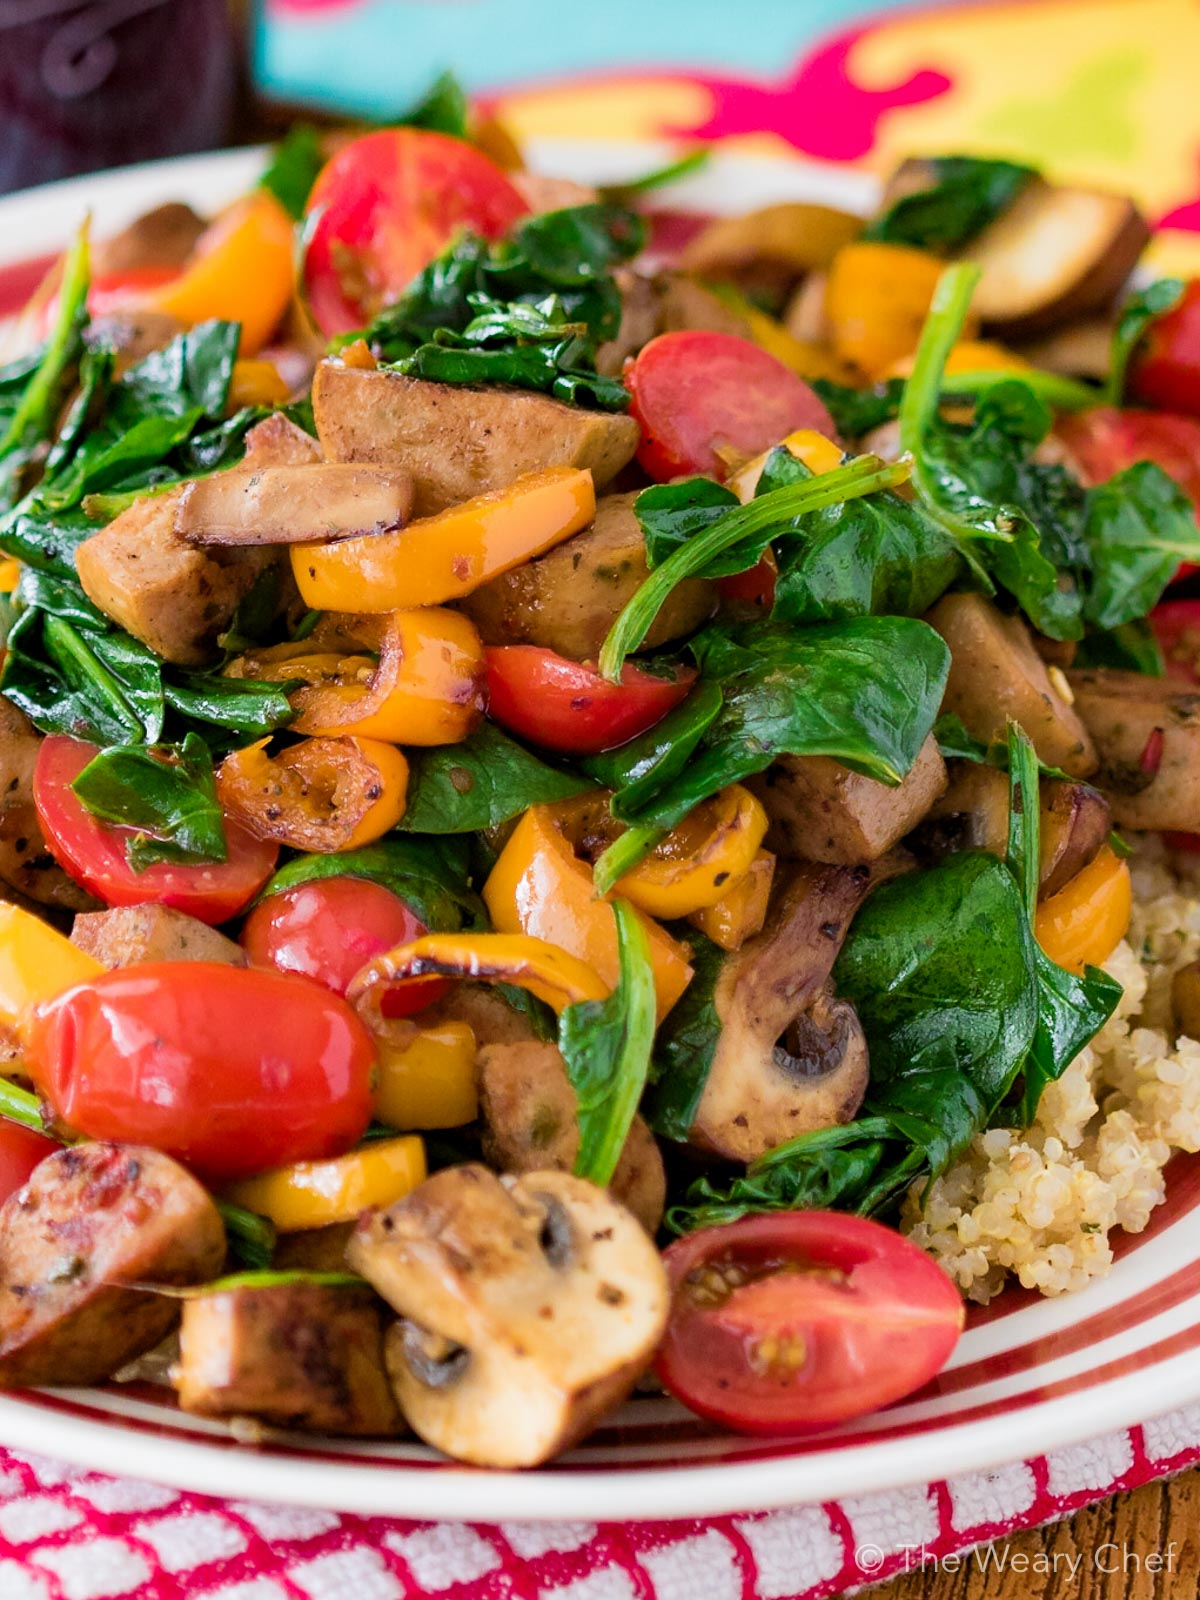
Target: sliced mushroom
{"points": [[530, 1307], [1074, 821], [294, 1355], [641, 318], [767, 250], [1081, 349], [163, 237], [293, 505], [1055, 255], [790, 1057], [529, 1107], [821, 811], [1147, 731], [995, 674], [686, 305]]}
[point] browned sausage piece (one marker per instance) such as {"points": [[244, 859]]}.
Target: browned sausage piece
{"points": [[459, 442], [1147, 731], [92, 1218], [125, 935], [276, 441], [25, 860], [294, 1355]]}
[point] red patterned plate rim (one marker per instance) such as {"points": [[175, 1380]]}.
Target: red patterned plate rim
{"points": [[1029, 1376]]}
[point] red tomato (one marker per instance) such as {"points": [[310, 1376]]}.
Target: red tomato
{"points": [[21, 1149], [330, 928], [1176, 625], [754, 587], [567, 706], [694, 394], [113, 291], [795, 1320], [230, 1070], [384, 207], [1165, 370], [93, 852], [1105, 441]]}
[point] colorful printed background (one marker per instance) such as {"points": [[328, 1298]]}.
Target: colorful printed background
{"points": [[1100, 91]]}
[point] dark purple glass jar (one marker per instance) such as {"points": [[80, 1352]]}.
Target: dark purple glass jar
{"points": [[85, 86]]}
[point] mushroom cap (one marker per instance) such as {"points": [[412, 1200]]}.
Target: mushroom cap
{"points": [[529, 1308]]}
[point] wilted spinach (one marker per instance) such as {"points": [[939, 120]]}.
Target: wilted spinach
{"points": [[1139, 312], [429, 875], [964, 194], [166, 792], [484, 781]]}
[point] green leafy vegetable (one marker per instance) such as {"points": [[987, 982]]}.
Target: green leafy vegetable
{"points": [[167, 793], [292, 170], [1139, 312], [637, 770], [251, 1237], [606, 1045], [1138, 527], [965, 194], [256, 1278], [486, 780], [1131, 647], [658, 178], [858, 411], [429, 875], [443, 108], [685, 1045], [18, 1105], [671, 514]]}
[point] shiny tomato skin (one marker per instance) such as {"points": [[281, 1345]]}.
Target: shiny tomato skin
{"points": [[329, 928], [230, 1070], [1105, 441], [384, 207], [1165, 371], [568, 707], [93, 853], [866, 1317], [694, 393], [21, 1150], [1176, 625], [754, 587]]}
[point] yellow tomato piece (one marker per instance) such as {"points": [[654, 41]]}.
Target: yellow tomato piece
{"points": [[539, 886], [426, 1076], [1086, 920], [36, 962], [255, 383], [695, 864], [876, 299], [447, 556], [314, 1194], [10, 574], [968, 355], [741, 911], [818, 454], [241, 271]]}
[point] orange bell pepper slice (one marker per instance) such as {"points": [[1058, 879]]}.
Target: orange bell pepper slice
{"points": [[447, 556], [741, 911], [315, 1194], [876, 300], [241, 271], [36, 963], [425, 688], [539, 886], [968, 355], [322, 795], [552, 974], [818, 454], [1086, 920], [255, 383], [696, 863], [426, 1075]]}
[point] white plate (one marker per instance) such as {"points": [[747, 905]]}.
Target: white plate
{"points": [[1031, 1376]]}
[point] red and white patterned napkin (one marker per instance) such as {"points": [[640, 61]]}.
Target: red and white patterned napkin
{"points": [[67, 1534]]}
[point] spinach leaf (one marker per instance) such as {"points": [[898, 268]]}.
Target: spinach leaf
{"points": [[672, 513], [1139, 312], [485, 780], [964, 195], [429, 875], [606, 1045], [1138, 526], [638, 769], [858, 411], [685, 1045], [443, 107], [657, 178], [292, 170], [252, 1238], [1131, 647], [247, 708], [166, 792]]}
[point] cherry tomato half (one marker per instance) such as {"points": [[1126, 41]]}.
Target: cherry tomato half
{"points": [[21, 1150], [384, 207], [795, 1320], [329, 928], [231, 1070], [1176, 625], [94, 853], [1105, 441], [694, 394], [567, 706], [1165, 370]]}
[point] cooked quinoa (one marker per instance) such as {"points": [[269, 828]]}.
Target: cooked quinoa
{"points": [[1041, 1202]]}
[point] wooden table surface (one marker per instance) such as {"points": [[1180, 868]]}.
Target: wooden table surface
{"points": [[1139, 1546]]}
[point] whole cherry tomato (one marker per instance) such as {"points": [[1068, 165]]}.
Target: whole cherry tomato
{"points": [[567, 706], [384, 207], [94, 853], [228, 1069], [794, 1320], [1165, 370], [697, 394], [329, 928], [21, 1149]]}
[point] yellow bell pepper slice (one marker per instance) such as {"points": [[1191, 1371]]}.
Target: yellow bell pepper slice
{"points": [[241, 271], [695, 864], [876, 300], [10, 574], [741, 911], [447, 556], [968, 355], [36, 963], [255, 383], [314, 1194], [318, 795], [539, 886], [552, 974], [805, 358], [426, 1076], [1086, 920], [818, 454]]}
